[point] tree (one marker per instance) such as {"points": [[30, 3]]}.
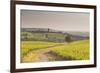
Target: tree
{"points": [[48, 29], [68, 38]]}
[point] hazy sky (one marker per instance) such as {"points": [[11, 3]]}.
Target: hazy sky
{"points": [[66, 21]]}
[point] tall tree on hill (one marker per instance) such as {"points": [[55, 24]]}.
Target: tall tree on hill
{"points": [[48, 29]]}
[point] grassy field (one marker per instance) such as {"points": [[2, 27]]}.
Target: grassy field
{"points": [[31, 50], [27, 46], [38, 51], [78, 50]]}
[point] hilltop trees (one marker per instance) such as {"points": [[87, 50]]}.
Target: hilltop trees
{"points": [[68, 38]]}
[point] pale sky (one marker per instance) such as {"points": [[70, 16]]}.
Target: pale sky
{"points": [[65, 21]]}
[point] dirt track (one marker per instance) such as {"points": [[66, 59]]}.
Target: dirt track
{"points": [[42, 55]]}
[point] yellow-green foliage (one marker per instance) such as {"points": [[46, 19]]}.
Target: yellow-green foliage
{"points": [[78, 50], [31, 50], [31, 45]]}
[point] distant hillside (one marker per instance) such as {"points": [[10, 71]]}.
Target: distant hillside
{"points": [[51, 34], [39, 30], [84, 34]]}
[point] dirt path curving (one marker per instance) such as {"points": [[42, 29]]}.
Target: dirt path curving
{"points": [[42, 55]]}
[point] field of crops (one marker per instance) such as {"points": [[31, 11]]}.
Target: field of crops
{"points": [[27, 46], [78, 50], [38, 51]]}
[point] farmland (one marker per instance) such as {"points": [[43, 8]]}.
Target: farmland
{"points": [[42, 45], [76, 50], [31, 51], [41, 36], [49, 51], [27, 46], [37, 34]]}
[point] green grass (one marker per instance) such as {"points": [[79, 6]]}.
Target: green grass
{"points": [[31, 45], [42, 36], [78, 50]]}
